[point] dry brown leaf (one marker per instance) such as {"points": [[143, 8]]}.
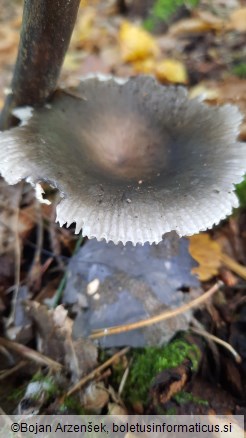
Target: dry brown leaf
{"points": [[195, 25], [136, 43], [96, 396], [238, 20], [207, 253], [231, 90], [55, 330], [116, 409], [8, 38]]}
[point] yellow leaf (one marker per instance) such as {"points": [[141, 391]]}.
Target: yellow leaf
{"points": [[136, 43], [171, 70], [207, 253], [145, 66], [205, 92]]}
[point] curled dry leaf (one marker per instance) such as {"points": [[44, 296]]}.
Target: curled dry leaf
{"points": [[55, 330]]}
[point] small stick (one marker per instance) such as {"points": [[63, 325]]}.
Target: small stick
{"points": [[100, 333], [30, 354], [123, 380], [6, 373], [98, 370], [225, 344]]}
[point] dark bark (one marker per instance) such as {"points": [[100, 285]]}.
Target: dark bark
{"points": [[46, 31]]}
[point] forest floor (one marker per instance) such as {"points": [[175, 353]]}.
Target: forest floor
{"points": [[191, 363]]}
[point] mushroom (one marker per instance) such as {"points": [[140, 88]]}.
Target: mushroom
{"points": [[132, 159]]}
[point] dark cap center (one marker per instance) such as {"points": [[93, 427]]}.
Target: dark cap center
{"points": [[127, 147]]}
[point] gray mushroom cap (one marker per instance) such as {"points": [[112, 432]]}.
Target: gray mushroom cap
{"points": [[132, 160]]}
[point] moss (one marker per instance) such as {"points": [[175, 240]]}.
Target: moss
{"points": [[72, 406], [163, 10], [241, 192], [148, 362], [240, 70], [171, 411], [50, 386], [17, 394], [184, 397]]}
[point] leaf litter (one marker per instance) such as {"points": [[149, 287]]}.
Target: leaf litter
{"points": [[203, 47]]}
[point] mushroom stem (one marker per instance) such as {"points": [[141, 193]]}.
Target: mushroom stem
{"points": [[46, 31]]}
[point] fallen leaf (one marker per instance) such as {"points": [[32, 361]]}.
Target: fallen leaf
{"points": [[172, 380], [194, 25], [238, 20], [116, 410], [8, 38], [210, 256], [207, 253], [95, 397], [145, 66], [171, 70], [231, 90], [136, 43], [55, 330]]}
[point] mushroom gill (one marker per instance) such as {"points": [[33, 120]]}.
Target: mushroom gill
{"points": [[132, 160]]}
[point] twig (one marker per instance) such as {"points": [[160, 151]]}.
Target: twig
{"points": [[99, 333], [233, 265], [123, 380], [219, 341], [46, 31], [98, 370], [6, 373], [30, 354]]}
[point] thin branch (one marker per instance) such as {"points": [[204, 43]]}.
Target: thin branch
{"points": [[100, 333], [46, 31], [95, 372], [233, 266], [219, 341], [6, 373], [30, 354]]}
